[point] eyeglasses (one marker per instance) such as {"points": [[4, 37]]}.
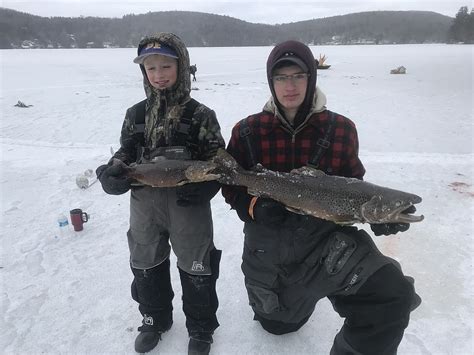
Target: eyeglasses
{"points": [[297, 78]]}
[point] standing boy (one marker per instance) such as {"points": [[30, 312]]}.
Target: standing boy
{"points": [[169, 123]]}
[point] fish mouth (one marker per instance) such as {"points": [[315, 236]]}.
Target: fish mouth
{"points": [[405, 214], [202, 173]]}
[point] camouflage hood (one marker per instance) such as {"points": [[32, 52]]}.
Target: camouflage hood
{"points": [[165, 107]]}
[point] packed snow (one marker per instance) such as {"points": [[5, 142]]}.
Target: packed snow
{"points": [[70, 293]]}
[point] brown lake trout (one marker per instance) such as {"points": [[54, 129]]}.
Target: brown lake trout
{"points": [[162, 172], [312, 192]]}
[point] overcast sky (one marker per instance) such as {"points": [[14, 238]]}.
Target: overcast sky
{"points": [[257, 11]]}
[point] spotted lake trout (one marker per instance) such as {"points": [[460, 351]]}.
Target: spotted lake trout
{"points": [[312, 192], [162, 172]]}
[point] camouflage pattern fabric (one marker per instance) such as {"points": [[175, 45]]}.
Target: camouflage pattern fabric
{"points": [[164, 109]]}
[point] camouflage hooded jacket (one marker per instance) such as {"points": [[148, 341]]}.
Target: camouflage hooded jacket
{"points": [[164, 109]]}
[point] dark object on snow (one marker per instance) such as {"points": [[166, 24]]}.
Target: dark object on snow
{"points": [[399, 70], [321, 62], [193, 69], [22, 104]]}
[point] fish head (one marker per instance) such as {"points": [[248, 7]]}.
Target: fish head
{"points": [[201, 171], [396, 207]]}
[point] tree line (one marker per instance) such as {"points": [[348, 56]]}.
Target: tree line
{"points": [[462, 28], [22, 30]]}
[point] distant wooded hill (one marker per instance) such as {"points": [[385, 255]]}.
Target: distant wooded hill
{"points": [[21, 30]]}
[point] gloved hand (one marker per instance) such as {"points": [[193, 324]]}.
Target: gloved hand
{"points": [[196, 193], [389, 228], [268, 211], [392, 228], [113, 179], [261, 209]]}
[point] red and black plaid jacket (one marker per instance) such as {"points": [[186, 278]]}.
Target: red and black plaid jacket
{"points": [[277, 148]]}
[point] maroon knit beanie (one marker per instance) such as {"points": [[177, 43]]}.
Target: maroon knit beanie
{"points": [[302, 52]]}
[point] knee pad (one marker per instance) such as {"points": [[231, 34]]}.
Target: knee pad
{"points": [[389, 285]]}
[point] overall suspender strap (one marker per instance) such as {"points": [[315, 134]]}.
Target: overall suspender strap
{"points": [[139, 130], [246, 133], [187, 117], [184, 122], [139, 124], [323, 143], [181, 134]]}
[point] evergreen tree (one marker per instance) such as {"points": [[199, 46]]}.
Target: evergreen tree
{"points": [[462, 28]]}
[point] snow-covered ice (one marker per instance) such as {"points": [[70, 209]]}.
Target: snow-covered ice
{"points": [[70, 294]]}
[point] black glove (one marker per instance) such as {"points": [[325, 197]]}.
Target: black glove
{"points": [[196, 193], [241, 206], [268, 211], [389, 228], [113, 179], [392, 228], [265, 210]]}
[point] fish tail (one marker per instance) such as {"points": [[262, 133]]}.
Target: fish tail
{"points": [[224, 159], [227, 166]]}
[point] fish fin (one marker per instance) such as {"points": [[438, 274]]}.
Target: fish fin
{"points": [[369, 209], [253, 192], [157, 159], [210, 177], [308, 171], [294, 210]]}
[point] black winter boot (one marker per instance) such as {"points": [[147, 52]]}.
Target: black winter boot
{"points": [[200, 344], [149, 335], [146, 341], [341, 346]]}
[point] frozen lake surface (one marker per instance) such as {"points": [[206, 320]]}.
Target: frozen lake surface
{"points": [[70, 295]]}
